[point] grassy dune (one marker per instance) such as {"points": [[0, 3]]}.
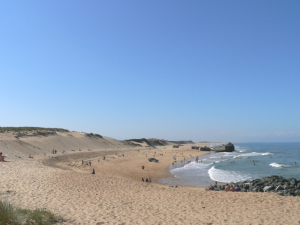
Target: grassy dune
{"points": [[9, 215]]}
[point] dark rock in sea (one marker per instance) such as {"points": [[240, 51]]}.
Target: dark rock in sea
{"points": [[277, 184], [225, 148]]}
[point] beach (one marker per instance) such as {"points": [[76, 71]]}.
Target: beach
{"points": [[115, 194]]}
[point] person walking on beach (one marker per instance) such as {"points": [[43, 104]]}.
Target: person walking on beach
{"points": [[143, 167], [93, 171], [142, 179]]}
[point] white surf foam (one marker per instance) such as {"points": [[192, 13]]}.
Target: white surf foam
{"points": [[239, 149], [246, 155], [191, 166], [278, 165], [267, 153], [227, 176]]}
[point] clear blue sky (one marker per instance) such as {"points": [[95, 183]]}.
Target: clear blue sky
{"points": [[196, 70]]}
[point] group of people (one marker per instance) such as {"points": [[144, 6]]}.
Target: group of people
{"points": [[227, 188], [54, 151], [148, 180], [232, 189]]}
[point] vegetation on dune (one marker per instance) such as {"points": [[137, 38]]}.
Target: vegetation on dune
{"points": [[10, 215], [92, 135], [182, 142], [31, 129], [42, 131], [141, 140], [155, 142]]}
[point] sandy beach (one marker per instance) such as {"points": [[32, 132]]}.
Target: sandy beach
{"points": [[115, 194]]}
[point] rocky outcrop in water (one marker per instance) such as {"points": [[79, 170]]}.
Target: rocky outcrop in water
{"points": [[225, 148], [278, 184]]}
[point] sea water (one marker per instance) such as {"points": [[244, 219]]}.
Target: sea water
{"points": [[249, 161]]}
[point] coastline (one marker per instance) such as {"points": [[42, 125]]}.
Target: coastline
{"points": [[116, 195], [135, 157], [199, 181]]}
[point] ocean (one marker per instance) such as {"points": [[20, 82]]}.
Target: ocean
{"points": [[249, 161]]}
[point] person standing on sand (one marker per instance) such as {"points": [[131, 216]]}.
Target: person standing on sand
{"points": [[143, 167], [93, 171], [146, 180], [149, 180], [142, 179]]}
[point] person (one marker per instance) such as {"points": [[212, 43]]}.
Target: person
{"points": [[93, 171], [142, 179], [237, 188], [227, 188], [149, 180], [210, 188], [143, 167], [232, 189], [146, 180]]}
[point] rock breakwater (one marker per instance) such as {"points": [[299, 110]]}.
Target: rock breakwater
{"points": [[278, 184]]}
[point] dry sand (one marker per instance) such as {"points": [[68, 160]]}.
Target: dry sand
{"points": [[116, 195]]}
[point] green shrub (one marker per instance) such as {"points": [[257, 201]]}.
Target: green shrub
{"points": [[41, 217], [8, 214], [11, 216]]}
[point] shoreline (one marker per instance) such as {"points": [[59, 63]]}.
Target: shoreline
{"points": [[156, 171], [116, 195], [173, 180], [72, 160]]}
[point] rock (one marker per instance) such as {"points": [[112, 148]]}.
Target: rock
{"points": [[278, 184], [297, 192], [225, 148]]}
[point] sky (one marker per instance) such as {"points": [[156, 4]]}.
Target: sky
{"points": [[172, 69]]}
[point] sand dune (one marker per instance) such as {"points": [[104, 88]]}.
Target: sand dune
{"points": [[115, 194], [62, 141]]}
